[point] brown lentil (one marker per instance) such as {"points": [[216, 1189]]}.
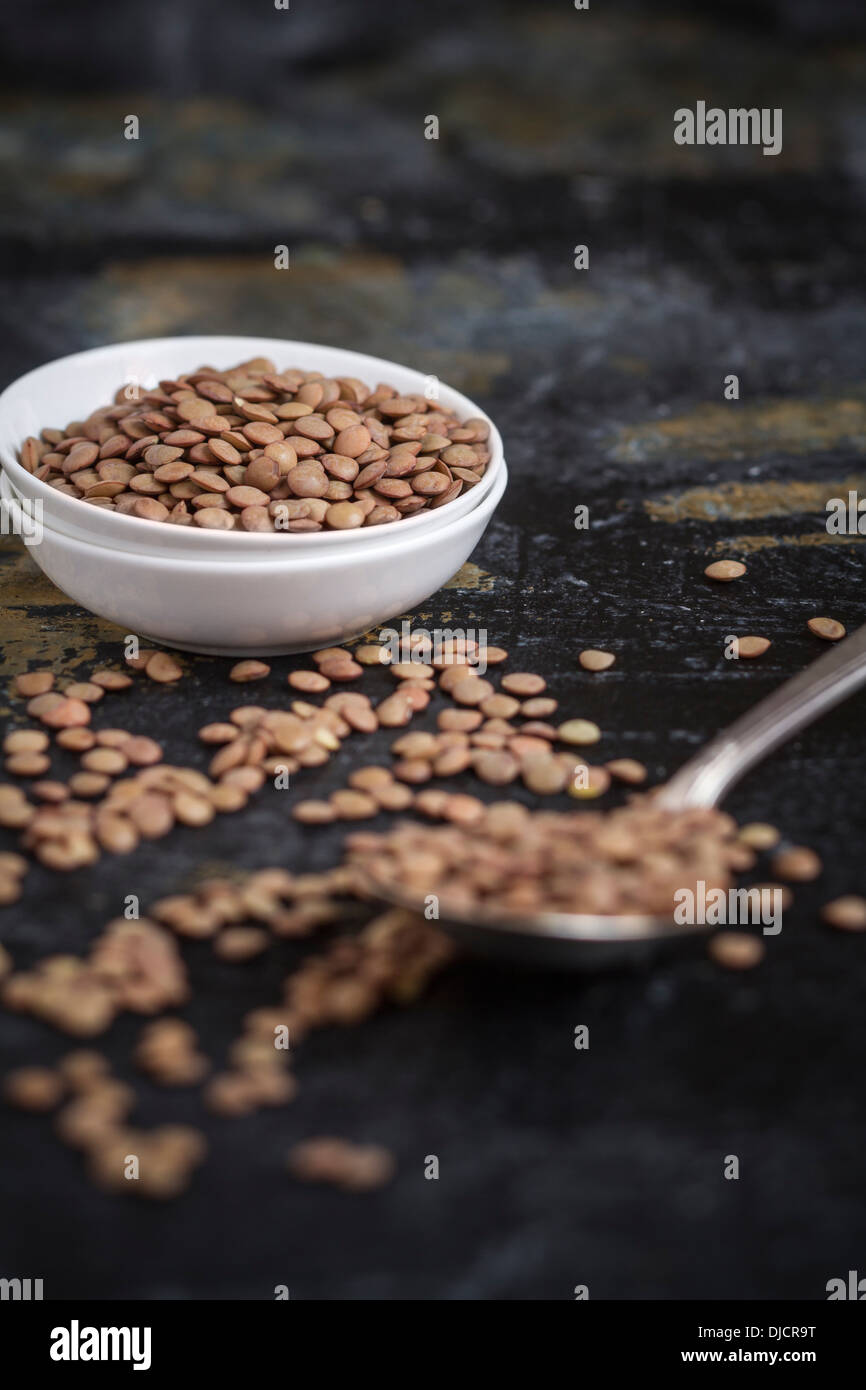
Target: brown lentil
{"points": [[847, 913], [735, 950], [353, 805], [33, 683], [26, 741], [83, 1069], [27, 764], [500, 706], [798, 864], [33, 1088], [240, 943], [592, 660], [163, 668], [828, 628], [522, 683], [750, 647], [50, 791], [459, 720], [142, 751], [413, 770], [393, 796], [354, 1167], [394, 711], [84, 690], [589, 782], [372, 655], [311, 682], [540, 707], [77, 740], [579, 732], [88, 784], [244, 671], [368, 779], [543, 775], [451, 762], [627, 770], [314, 812], [497, 769], [759, 836], [107, 760], [431, 803], [725, 570], [111, 680], [470, 690]]}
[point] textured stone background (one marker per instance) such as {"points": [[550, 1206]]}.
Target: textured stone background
{"points": [[259, 128]]}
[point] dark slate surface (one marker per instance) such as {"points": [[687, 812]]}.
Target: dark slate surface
{"points": [[557, 1167]]}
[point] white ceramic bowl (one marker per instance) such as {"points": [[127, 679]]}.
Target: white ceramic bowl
{"points": [[294, 599], [69, 388]]}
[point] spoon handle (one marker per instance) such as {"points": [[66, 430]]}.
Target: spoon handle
{"points": [[706, 777]]}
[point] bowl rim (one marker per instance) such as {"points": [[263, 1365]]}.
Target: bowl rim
{"points": [[189, 564], [203, 537]]}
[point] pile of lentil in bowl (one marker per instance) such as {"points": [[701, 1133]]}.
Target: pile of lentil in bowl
{"points": [[254, 449]]}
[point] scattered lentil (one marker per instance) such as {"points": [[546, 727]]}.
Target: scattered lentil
{"points": [[750, 647], [33, 1088], [627, 770], [736, 950], [592, 660], [847, 913], [578, 732], [163, 668], [354, 1167], [798, 864], [244, 671], [522, 683], [828, 628], [725, 570], [32, 683], [758, 835]]}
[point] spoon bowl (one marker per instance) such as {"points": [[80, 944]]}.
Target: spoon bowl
{"points": [[594, 941], [563, 940]]}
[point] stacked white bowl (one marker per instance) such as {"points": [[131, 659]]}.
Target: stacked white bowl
{"points": [[231, 593]]}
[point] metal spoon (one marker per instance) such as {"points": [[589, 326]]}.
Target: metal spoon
{"points": [[591, 941]]}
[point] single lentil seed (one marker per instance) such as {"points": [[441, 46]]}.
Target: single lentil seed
{"points": [[522, 683], [798, 864], [725, 570], [311, 682], [579, 732], [828, 628], [34, 683], [751, 647], [592, 660], [106, 760], [163, 668], [736, 950], [627, 770], [846, 913], [244, 671], [27, 764], [314, 812], [84, 690], [758, 835], [26, 741]]}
